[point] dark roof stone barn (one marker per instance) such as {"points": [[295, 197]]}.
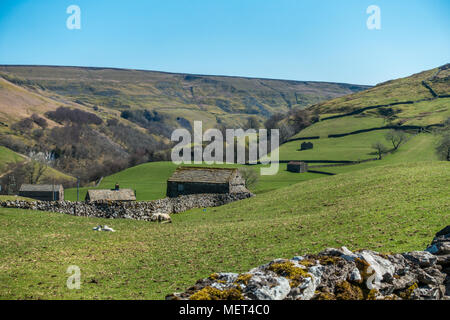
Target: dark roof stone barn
{"points": [[297, 166], [306, 146], [196, 180], [42, 192]]}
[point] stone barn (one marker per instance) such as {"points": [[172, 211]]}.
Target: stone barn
{"points": [[42, 192], [196, 180], [115, 194], [306, 146], [297, 166]]}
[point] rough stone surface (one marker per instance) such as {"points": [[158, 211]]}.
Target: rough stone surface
{"points": [[336, 274], [156, 210]]}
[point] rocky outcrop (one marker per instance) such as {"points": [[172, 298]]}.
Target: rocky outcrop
{"points": [[337, 274], [156, 210]]}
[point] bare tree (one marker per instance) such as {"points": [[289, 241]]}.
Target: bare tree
{"points": [[301, 118], [249, 175], [380, 149], [286, 131], [443, 148], [34, 171], [252, 123], [39, 171], [396, 137]]}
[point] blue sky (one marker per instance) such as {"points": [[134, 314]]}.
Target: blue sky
{"points": [[283, 39]]}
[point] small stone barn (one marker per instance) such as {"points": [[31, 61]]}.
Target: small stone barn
{"points": [[196, 180], [42, 192], [306, 146], [111, 195], [297, 166]]}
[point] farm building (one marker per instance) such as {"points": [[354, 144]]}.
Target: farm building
{"points": [[297, 166], [194, 180], [306, 146], [115, 194], [42, 192]]}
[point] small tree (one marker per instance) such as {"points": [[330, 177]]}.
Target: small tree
{"points": [[252, 123], [396, 137], [34, 171], [250, 176], [380, 149]]}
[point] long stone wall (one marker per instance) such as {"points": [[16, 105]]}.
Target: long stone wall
{"points": [[129, 210]]}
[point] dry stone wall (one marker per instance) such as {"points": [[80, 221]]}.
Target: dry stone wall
{"points": [[129, 210], [337, 274]]}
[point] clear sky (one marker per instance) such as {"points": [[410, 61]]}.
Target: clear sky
{"points": [[283, 39]]}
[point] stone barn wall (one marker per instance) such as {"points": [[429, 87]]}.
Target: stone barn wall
{"points": [[297, 167], [195, 188]]}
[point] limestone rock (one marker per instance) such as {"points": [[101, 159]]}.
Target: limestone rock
{"points": [[335, 274], [422, 258]]}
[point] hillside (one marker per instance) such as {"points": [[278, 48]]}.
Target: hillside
{"points": [[192, 97], [147, 260], [424, 86], [9, 157], [337, 141], [96, 121], [350, 125]]}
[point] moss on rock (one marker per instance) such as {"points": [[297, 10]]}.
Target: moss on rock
{"points": [[290, 271], [210, 293], [346, 291], [244, 278], [406, 294]]}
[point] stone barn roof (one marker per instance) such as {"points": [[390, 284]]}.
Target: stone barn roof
{"points": [[40, 187], [111, 195], [296, 163], [203, 175]]}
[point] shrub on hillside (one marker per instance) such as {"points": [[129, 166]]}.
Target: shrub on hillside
{"points": [[250, 176], [443, 148], [23, 125], [75, 116], [41, 122], [154, 122], [13, 143]]}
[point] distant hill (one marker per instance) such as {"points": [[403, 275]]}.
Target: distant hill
{"points": [[192, 97]]}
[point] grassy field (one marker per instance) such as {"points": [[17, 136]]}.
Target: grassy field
{"points": [[425, 113], [419, 148], [12, 198], [340, 125], [404, 205], [150, 180], [348, 148], [7, 156]]}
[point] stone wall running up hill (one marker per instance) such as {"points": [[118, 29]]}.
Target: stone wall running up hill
{"points": [[337, 274], [129, 210]]}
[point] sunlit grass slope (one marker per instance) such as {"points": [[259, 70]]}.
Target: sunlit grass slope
{"points": [[388, 209]]}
